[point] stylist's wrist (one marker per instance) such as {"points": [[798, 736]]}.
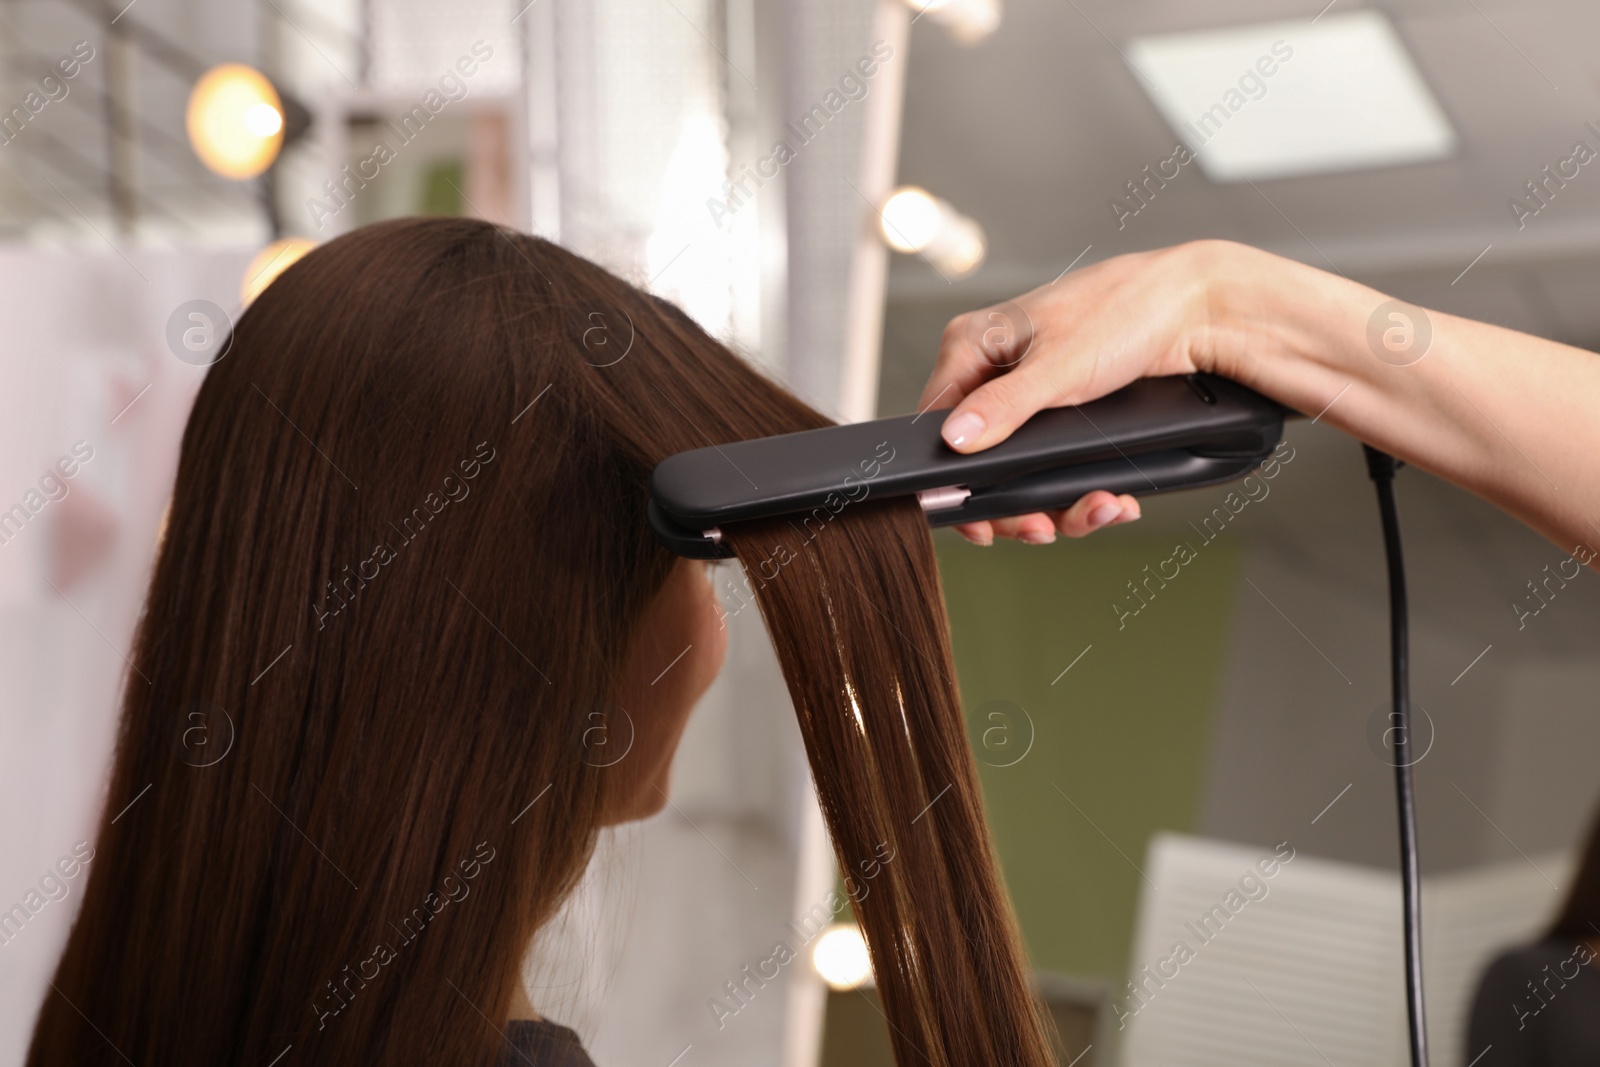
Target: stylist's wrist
{"points": [[1283, 328], [1244, 305]]}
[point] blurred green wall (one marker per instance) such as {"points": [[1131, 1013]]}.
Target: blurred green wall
{"points": [[1124, 734]]}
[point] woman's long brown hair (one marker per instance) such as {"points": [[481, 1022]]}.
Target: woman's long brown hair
{"points": [[405, 554]]}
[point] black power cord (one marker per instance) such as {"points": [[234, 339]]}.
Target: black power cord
{"points": [[1382, 466]]}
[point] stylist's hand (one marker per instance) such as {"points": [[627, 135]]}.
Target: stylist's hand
{"points": [[1082, 336], [1503, 414]]}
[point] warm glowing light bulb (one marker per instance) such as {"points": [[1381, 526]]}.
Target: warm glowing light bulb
{"points": [[235, 121], [263, 119], [963, 248], [911, 219], [270, 262], [841, 957]]}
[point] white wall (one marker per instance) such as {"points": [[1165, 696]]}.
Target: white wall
{"points": [[85, 359]]}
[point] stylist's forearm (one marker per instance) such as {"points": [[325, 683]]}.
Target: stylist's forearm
{"points": [[1511, 417]]}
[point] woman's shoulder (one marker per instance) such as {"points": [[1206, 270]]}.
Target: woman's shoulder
{"points": [[542, 1043]]}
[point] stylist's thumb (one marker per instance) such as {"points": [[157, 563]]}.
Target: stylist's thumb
{"points": [[991, 412]]}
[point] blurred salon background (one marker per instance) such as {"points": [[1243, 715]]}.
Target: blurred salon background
{"points": [[1196, 760]]}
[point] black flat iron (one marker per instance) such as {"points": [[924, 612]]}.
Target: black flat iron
{"points": [[1153, 436]]}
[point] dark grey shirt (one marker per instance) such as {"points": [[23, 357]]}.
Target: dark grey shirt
{"points": [[1538, 1006], [542, 1044]]}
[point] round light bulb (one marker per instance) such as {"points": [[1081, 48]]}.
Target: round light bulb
{"points": [[263, 119], [960, 249], [270, 262], [914, 220], [911, 219], [841, 957], [235, 121]]}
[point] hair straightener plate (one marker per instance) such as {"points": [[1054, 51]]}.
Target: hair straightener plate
{"points": [[1152, 436]]}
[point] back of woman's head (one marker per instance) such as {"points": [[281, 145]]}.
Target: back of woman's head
{"points": [[405, 556]]}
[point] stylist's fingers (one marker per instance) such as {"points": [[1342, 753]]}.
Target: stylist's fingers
{"points": [[993, 410], [976, 346], [1090, 513], [1078, 338], [1095, 510], [1035, 529], [979, 533]]}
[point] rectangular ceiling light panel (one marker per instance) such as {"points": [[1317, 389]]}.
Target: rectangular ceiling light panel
{"points": [[1283, 99]]}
